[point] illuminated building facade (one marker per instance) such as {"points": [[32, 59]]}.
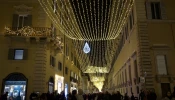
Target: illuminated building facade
{"points": [[35, 57], [144, 59]]}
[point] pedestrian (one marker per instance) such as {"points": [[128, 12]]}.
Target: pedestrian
{"points": [[169, 96], [132, 97]]}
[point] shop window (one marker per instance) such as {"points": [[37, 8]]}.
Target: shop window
{"points": [[161, 64], [17, 54], [51, 85], [15, 84]]}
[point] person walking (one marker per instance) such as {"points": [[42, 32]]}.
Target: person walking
{"points": [[169, 96], [132, 97], [79, 96]]}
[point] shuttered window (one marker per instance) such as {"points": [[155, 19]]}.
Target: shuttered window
{"points": [[161, 64], [66, 70], [17, 54], [52, 61], [59, 66], [136, 69], [21, 21], [155, 10], [130, 77], [72, 74]]}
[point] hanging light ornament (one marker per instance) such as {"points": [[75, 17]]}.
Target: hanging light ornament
{"points": [[90, 20], [86, 48]]}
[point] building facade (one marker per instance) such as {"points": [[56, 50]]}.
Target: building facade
{"points": [[35, 57], [144, 58]]}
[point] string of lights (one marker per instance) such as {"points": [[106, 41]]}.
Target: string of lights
{"points": [[90, 20]]}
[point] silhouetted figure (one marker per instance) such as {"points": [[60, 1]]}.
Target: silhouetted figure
{"points": [[74, 92], [153, 95], [126, 97], [169, 96], [62, 96], [4, 96], [79, 96], [132, 97], [142, 95], [69, 95], [119, 96], [33, 96], [174, 92]]}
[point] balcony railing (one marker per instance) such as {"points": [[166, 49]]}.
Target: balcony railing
{"points": [[28, 31]]}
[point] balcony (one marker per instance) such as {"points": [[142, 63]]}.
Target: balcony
{"points": [[28, 31]]}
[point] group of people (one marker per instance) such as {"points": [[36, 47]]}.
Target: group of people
{"points": [[151, 95], [79, 95]]}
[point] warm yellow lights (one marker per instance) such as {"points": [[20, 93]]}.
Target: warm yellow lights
{"points": [[99, 85], [97, 79], [95, 69], [27, 31], [63, 14]]}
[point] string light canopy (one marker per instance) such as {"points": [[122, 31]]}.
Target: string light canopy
{"points": [[99, 60], [89, 20]]}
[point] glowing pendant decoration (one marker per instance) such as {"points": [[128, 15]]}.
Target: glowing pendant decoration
{"points": [[86, 48]]}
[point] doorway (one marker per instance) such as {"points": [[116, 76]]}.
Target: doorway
{"points": [[165, 88]]}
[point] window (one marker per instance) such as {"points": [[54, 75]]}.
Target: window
{"points": [[72, 74], [75, 61], [130, 21], [52, 61], [66, 70], [161, 64], [71, 56], [67, 50], [130, 77], [136, 70], [60, 66], [137, 89], [21, 21], [17, 54], [125, 76], [133, 16], [75, 76], [155, 10], [126, 31]]}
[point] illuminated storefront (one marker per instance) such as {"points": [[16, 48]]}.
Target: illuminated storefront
{"points": [[73, 81], [15, 84], [59, 83], [51, 85]]}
